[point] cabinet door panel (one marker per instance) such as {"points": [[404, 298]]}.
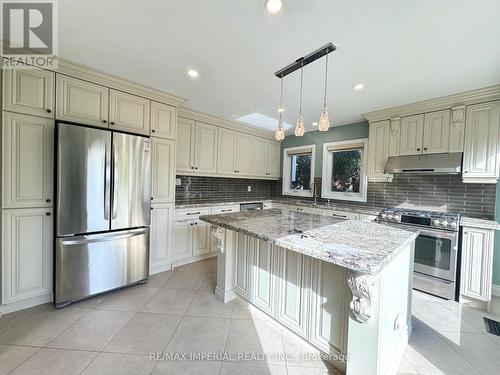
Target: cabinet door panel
{"points": [[205, 148], [293, 291], [263, 277], [183, 240], [163, 186], [27, 254], [241, 265], [226, 160], [412, 129], [436, 132], [200, 231], [29, 91], [185, 145], [244, 154], [81, 101], [477, 263], [481, 147], [163, 120], [27, 158], [129, 113], [162, 233], [274, 159], [378, 149], [259, 157]]}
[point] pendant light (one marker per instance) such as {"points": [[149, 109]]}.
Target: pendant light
{"points": [[280, 133], [299, 126], [324, 121]]}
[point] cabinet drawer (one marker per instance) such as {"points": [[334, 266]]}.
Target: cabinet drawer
{"points": [[341, 214], [191, 213], [225, 209]]}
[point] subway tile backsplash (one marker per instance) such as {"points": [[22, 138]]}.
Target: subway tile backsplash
{"points": [[217, 189], [436, 192], [431, 192]]}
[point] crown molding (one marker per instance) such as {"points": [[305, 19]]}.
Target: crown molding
{"points": [[93, 75], [221, 122], [482, 95]]}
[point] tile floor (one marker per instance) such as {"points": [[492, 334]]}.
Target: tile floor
{"points": [[177, 312]]}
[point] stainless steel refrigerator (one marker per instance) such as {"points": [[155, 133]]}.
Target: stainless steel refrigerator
{"points": [[103, 210]]}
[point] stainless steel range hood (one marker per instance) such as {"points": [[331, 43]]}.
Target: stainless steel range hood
{"points": [[447, 163]]}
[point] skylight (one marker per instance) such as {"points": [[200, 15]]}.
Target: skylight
{"points": [[262, 121]]}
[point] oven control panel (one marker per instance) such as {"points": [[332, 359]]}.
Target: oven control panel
{"points": [[432, 219]]}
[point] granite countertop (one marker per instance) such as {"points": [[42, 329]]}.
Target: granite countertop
{"points": [[479, 223], [358, 246], [367, 210]]}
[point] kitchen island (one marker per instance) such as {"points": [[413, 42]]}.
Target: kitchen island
{"points": [[342, 285]]}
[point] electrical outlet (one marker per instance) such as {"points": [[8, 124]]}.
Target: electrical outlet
{"points": [[249, 188], [178, 182]]}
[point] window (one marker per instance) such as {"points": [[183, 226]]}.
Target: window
{"points": [[298, 170], [344, 171]]}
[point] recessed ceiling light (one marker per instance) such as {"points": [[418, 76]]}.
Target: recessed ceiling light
{"points": [[359, 87], [273, 6], [192, 73]]}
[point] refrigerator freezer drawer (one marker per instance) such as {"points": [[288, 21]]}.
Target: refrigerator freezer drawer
{"points": [[92, 264]]}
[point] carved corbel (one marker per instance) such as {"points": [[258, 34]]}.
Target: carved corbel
{"points": [[362, 294], [218, 233]]}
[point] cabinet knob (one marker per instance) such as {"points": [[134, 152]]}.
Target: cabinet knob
{"points": [[234, 171], [425, 148], [152, 198], [112, 123], [237, 171], [418, 149], [192, 167], [104, 121], [152, 208], [47, 214], [152, 130], [49, 110], [48, 200], [195, 167]]}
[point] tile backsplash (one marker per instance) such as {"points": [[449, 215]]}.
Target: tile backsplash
{"points": [[218, 189], [431, 192]]}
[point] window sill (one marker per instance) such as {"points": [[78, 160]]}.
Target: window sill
{"points": [[344, 197], [298, 194]]}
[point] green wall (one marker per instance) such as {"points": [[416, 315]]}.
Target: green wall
{"points": [[360, 130], [337, 133]]}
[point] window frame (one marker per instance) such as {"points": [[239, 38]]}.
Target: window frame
{"points": [[287, 170], [326, 191]]}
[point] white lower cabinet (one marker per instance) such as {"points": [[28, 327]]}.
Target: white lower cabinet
{"points": [[192, 239], [26, 254], [328, 307], [162, 236], [262, 276], [477, 263], [293, 290]]}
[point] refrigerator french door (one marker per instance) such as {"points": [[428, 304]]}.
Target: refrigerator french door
{"points": [[103, 211]]}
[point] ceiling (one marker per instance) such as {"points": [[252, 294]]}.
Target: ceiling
{"points": [[401, 50]]}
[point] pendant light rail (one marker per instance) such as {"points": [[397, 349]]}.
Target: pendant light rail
{"points": [[306, 60]]}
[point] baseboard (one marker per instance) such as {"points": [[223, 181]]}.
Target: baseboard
{"points": [[158, 269], [224, 297], [194, 259], [26, 304], [495, 290]]}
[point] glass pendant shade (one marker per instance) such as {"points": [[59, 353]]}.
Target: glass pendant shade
{"points": [[280, 132], [324, 121], [299, 126]]}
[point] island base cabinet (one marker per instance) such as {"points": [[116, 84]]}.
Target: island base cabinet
{"points": [[26, 256], [263, 276]]}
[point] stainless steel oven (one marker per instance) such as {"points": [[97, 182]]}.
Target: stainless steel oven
{"points": [[436, 248]]}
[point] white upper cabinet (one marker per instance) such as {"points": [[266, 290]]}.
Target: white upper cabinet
{"points": [[29, 91], [412, 130], [162, 235], [226, 160], [273, 150], [436, 132], [26, 254], [243, 154], [477, 263], [457, 129], [205, 154], [129, 112], [481, 148], [185, 145], [27, 161], [163, 120], [259, 157], [81, 101], [378, 150], [163, 171]]}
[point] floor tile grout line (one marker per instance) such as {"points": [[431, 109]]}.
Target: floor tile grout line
{"points": [[14, 369]]}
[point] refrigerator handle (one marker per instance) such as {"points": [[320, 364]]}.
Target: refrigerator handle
{"points": [[115, 178], [107, 178]]}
